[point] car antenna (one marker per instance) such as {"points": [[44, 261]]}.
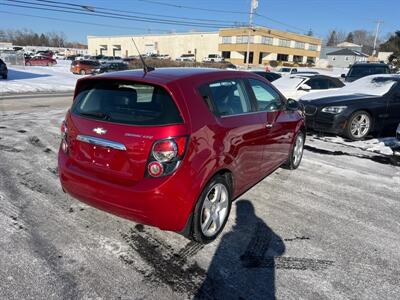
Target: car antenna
{"points": [[146, 68]]}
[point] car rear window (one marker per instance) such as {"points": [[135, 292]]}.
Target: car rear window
{"points": [[368, 70], [127, 103]]}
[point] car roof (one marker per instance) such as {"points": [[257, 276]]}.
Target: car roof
{"points": [[369, 65], [166, 75]]}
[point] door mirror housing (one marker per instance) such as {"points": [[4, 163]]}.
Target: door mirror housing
{"points": [[293, 105], [343, 75], [305, 87]]}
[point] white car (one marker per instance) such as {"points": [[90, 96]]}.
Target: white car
{"points": [[213, 58], [110, 59], [286, 71], [186, 57], [297, 86]]}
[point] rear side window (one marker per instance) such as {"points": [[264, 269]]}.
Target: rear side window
{"points": [[127, 103], [229, 97]]}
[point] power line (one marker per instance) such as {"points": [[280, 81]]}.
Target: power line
{"points": [[81, 22], [194, 8], [112, 15], [127, 11]]}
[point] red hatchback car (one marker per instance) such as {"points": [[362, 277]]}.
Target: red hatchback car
{"points": [[40, 61], [174, 147]]}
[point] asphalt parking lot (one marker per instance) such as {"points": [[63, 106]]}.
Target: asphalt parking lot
{"points": [[329, 230]]}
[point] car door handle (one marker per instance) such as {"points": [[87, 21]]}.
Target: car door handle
{"points": [[269, 125]]}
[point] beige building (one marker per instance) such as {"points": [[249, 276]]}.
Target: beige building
{"points": [[265, 45], [175, 44]]}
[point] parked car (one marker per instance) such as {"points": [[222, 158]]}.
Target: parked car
{"points": [[169, 148], [84, 67], [3, 69], [296, 86], [45, 53], [286, 71], [186, 57], [59, 56], [72, 57], [270, 76], [213, 58], [398, 132], [360, 70], [40, 61], [109, 59], [368, 105], [85, 57], [112, 67]]}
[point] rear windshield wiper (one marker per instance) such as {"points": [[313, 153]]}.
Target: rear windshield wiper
{"points": [[96, 114]]}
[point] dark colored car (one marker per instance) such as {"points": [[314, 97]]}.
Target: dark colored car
{"points": [[112, 67], [40, 61], [270, 76], [369, 105], [360, 70], [174, 147], [3, 69], [84, 67]]}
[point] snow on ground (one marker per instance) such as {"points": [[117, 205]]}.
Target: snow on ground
{"points": [[383, 146], [39, 79]]}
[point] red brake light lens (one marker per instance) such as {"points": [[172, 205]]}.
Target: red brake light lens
{"points": [[155, 169]]}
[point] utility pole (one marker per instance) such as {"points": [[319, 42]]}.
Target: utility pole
{"points": [[253, 6], [378, 24]]}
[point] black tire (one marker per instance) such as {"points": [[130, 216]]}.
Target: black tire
{"points": [[292, 163], [196, 233], [82, 72], [5, 76], [348, 130]]}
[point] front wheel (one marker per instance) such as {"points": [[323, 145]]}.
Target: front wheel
{"points": [[212, 210], [358, 125], [296, 154]]}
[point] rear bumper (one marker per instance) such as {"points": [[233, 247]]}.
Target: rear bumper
{"points": [[162, 202]]}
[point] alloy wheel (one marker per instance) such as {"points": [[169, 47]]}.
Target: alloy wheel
{"points": [[298, 149], [214, 210], [360, 125]]}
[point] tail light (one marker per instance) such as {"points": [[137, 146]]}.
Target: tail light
{"points": [[64, 137], [166, 156]]}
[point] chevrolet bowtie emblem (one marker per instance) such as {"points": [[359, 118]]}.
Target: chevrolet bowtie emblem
{"points": [[99, 130]]}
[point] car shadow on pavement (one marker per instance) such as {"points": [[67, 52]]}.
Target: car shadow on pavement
{"points": [[19, 75], [243, 266]]}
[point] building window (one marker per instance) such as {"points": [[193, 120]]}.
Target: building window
{"points": [[226, 40], [243, 39], [226, 54], [283, 57], [312, 47], [251, 55], [297, 58], [260, 58], [300, 45], [310, 60], [267, 40], [284, 43]]}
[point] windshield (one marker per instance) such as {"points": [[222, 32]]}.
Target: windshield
{"points": [[288, 83], [126, 102], [361, 71]]}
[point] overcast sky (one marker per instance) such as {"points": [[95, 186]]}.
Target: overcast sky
{"points": [[293, 15]]}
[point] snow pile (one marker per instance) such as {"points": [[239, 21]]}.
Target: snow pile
{"points": [[383, 146], [39, 79], [373, 85]]}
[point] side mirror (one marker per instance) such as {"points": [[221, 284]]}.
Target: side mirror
{"points": [[293, 105], [343, 75], [305, 87]]}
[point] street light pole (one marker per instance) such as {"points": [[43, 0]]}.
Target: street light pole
{"points": [[253, 6]]}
